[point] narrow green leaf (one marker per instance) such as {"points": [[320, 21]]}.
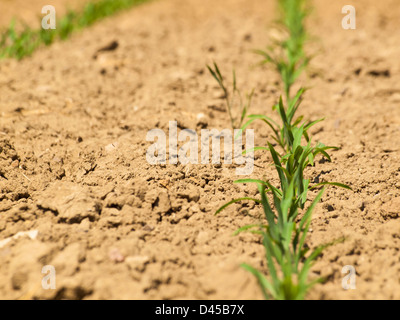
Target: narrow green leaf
{"points": [[249, 228], [235, 201], [337, 184], [266, 287]]}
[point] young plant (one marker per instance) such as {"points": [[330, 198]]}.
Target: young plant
{"points": [[283, 133], [290, 60], [285, 233], [287, 256], [288, 55], [230, 97], [14, 44]]}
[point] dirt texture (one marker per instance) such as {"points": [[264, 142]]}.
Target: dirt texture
{"points": [[30, 12], [73, 125]]}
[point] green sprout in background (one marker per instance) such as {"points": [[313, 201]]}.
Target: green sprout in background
{"points": [[19, 44], [236, 122], [288, 55]]}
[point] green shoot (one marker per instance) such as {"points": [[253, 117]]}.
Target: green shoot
{"points": [[289, 58], [284, 236], [287, 256], [283, 135], [288, 55], [236, 122], [18, 45]]}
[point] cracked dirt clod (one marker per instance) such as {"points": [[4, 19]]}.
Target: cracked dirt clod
{"points": [[69, 202]]}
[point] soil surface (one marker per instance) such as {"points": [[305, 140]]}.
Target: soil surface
{"points": [[73, 169], [30, 12]]}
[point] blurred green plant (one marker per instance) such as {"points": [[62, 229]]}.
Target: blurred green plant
{"points": [[236, 121], [287, 54], [19, 44]]}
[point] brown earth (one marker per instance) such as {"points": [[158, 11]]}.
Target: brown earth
{"points": [[30, 12], [73, 144]]}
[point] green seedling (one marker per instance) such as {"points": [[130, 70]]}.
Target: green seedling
{"points": [[289, 58], [288, 258], [230, 97], [17, 44], [288, 55], [283, 134], [285, 232]]}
